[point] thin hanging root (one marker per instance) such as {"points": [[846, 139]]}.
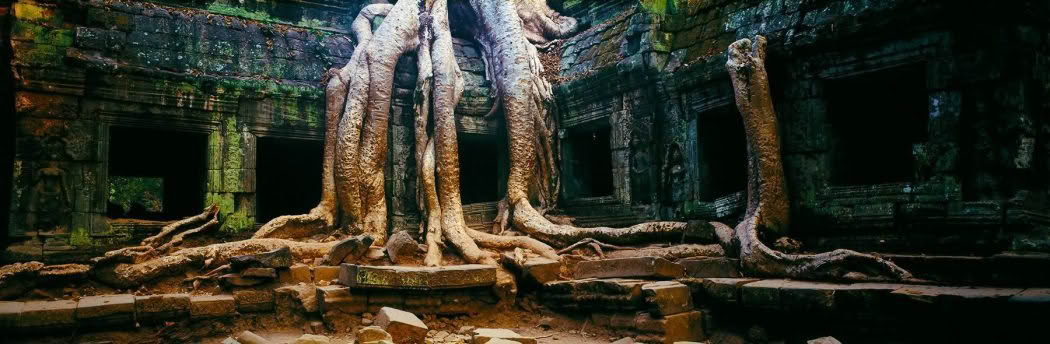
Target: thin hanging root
{"points": [[171, 228], [594, 244]]}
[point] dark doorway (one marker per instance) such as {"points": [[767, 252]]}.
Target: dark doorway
{"points": [[876, 119], [287, 176], [478, 168], [723, 152], [590, 162], [156, 174]]}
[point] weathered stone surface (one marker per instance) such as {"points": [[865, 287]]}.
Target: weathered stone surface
{"points": [[48, 314], [372, 334], [624, 340], [487, 335], [249, 300], [326, 273], [1032, 296], [9, 313], [249, 337], [710, 267], [928, 294], [594, 294], [536, 270], [725, 289], [208, 306], [686, 326], [824, 340], [348, 249], [404, 327], [236, 280], [279, 258], [401, 245], [298, 273], [18, 278], [107, 309], [312, 339], [156, 308], [337, 306], [655, 267], [668, 297], [262, 273], [293, 302], [408, 277]]}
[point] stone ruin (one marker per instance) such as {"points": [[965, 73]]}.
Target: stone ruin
{"points": [[918, 131]]}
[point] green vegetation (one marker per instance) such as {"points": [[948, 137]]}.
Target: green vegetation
{"points": [[144, 191], [224, 9], [311, 23]]}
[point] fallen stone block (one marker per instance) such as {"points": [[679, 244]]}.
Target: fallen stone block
{"points": [[404, 327], [686, 326], [824, 340], [372, 334], [326, 273], [653, 267], [261, 273], [535, 270], [236, 280], [248, 337], [249, 300], [105, 310], [500, 341], [400, 245], [668, 297], [710, 267], [312, 339], [494, 335], [410, 277], [349, 249], [293, 302], [9, 313], [158, 308], [279, 258], [208, 306], [48, 314]]}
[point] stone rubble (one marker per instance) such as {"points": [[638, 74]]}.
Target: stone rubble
{"points": [[404, 327]]}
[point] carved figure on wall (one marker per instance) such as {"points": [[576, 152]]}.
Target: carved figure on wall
{"points": [[674, 174], [49, 203]]}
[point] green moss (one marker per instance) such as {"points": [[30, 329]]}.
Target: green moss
{"points": [[27, 10], [238, 222], [224, 200], [224, 9], [80, 238]]}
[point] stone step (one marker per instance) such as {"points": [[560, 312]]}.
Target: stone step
{"points": [[791, 295], [638, 267], [1004, 269], [660, 298], [688, 326], [417, 278]]}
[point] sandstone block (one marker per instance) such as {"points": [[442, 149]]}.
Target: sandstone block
{"points": [[107, 309], [372, 334], [279, 258], [312, 339], [404, 327], [156, 308], [654, 267], [326, 273], [338, 298], [726, 290], [535, 270], [208, 306], [494, 335], [263, 273], [711, 267], [48, 314], [298, 273], [9, 313], [253, 300], [236, 280], [668, 297], [248, 337], [293, 302], [410, 277]]}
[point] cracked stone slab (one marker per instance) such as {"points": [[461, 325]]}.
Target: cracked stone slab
{"points": [[107, 309], [419, 278]]}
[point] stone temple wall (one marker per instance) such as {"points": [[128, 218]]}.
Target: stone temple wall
{"points": [[646, 75], [975, 168]]}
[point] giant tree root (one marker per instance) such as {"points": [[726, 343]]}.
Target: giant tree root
{"points": [[767, 205], [124, 275]]}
